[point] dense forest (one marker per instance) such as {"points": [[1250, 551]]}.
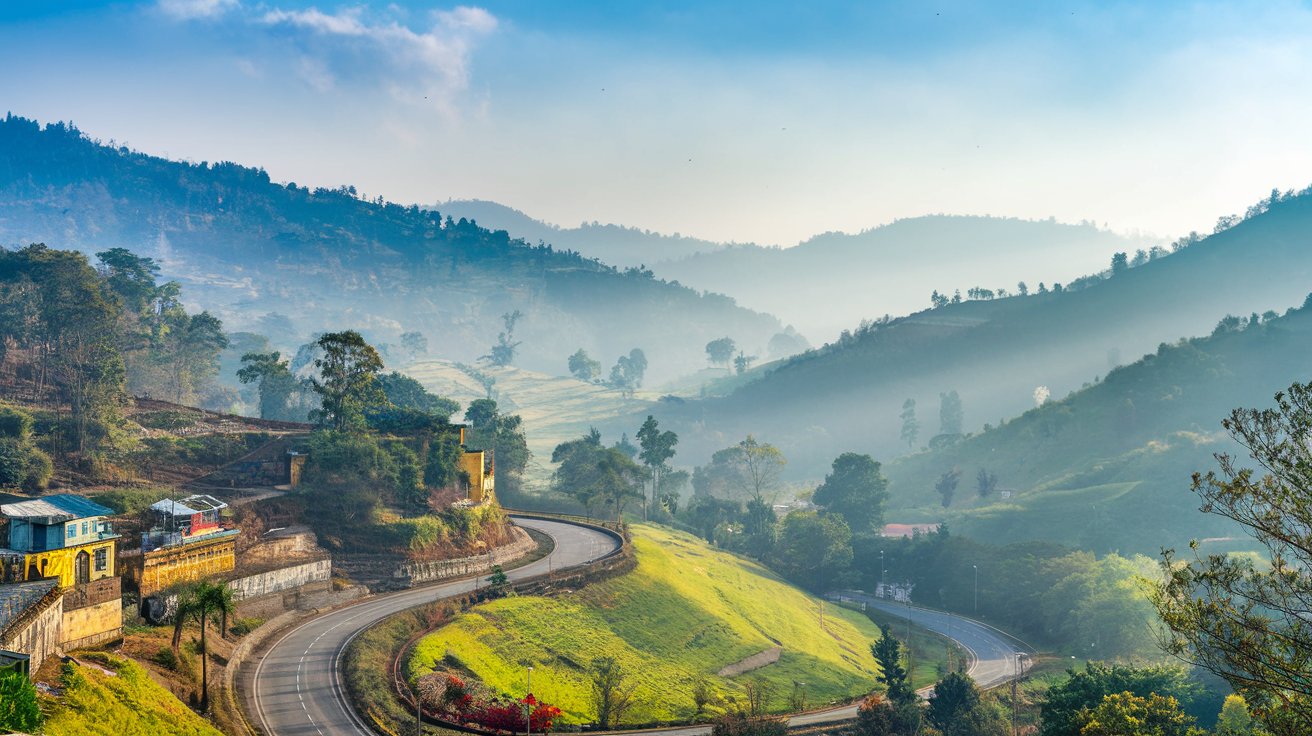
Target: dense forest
{"points": [[319, 259]]}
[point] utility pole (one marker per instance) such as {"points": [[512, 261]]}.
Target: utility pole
{"points": [[1015, 681], [976, 589], [528, 715]]}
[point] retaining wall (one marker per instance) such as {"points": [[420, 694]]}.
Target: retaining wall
{"points": [[426, 572]]}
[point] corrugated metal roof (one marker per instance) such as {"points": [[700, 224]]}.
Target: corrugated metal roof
{"points": [[189, 505], [61, 506]]}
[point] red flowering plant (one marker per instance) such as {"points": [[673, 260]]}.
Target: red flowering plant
{"points": [[508, 715]]}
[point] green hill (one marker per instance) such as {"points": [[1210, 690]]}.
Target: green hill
{"points": [[1109, 466], [686, 611], [846, 396], [117, 698], [244, 247]]}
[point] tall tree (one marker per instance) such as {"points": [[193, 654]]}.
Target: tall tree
{"points": [[347, 383], [888, 653], [1248, 623], [721, 351], [985, 482], [856, 490], [583, 367], [503, 353], [951, 418], [627, 373], [612, 691], [275, 381], [910, 425], [657, 448], [946, 485], [742, 363]]}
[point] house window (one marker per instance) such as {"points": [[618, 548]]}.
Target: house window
{"points": [[84, 528], [102, 559], [72, 530]]}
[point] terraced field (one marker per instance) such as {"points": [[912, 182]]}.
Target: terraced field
{"points": [[684, 614]]}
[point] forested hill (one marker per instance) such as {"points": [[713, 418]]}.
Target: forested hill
{"points": [[833, 281], [615, 244], [244, 246], [996, 353], [1109, 466]]}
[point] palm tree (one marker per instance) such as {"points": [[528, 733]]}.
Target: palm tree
{"points": [[202, 602], [212, 600]]}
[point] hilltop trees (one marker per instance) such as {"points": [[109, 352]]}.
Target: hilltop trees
{"points": [[626, 375], [276, 384], [596, 475], [347, 382], [721, 351], [583, 367], [910, 425], [950, 414], [855, 490], [1245, 622], [749, 470], [657, 448], [504, 435]]}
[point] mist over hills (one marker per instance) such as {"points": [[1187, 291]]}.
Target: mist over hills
{"points": [[614, 244], [1109, 466], [327, 259], [995, 353], [835, 280]]}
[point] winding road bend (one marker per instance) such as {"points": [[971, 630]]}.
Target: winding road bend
{"points": [[296, 688]]}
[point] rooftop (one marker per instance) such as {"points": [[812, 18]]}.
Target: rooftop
{"points": [[15, 598], [56, 508], [190, 505]]}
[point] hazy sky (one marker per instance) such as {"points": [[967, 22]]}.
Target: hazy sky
{"points": [[764, 121]]}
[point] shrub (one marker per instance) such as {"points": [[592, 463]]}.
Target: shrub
{"points": [[244, 626], [39, 470], [165, 658], [15, 424], [13, 463]]}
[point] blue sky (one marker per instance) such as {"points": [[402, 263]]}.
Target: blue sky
{"points": [[763, 121]]}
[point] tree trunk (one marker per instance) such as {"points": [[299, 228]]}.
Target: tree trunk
{"points": [[204, 669]]}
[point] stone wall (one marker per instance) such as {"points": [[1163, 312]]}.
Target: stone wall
{"points": [[427, 572], [287, 578], [37, 631]]}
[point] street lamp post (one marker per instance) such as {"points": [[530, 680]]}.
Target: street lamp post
{"points": [[976, 589], [528, 691], [883, 572]]}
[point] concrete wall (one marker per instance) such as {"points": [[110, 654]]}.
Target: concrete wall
{"points": [[40, 632], [276, 581], [92, 625], [424, 572]]}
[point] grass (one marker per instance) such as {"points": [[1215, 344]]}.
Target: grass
{"points": [[120, 700], [684, 613]]}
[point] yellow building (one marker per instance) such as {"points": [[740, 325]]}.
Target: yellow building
{"points": [[480, 467], [188, 542], [63, 536]]}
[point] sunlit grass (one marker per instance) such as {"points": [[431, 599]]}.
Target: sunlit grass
{"points": [[686, 612]]}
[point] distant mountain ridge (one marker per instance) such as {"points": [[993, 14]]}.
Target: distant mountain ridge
{"points": [[245, 246], [614, 244], [847, 396], [835, 280]]}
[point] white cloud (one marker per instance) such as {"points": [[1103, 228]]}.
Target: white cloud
{"points": [[423, 67], [193, 9]]}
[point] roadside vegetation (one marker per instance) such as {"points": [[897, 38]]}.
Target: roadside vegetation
{"points": [[113, 696], [686, 612]]}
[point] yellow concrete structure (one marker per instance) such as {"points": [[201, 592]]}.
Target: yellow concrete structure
{"points": [[480, 467], [163, 568]]}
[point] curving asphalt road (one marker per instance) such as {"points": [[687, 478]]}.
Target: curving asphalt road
{"points": [[296, 688]]}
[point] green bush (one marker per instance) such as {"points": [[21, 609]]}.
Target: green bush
{"points": [[13, 463], [131, 499], [165, 658], [18, 704], [15, 424], [244, 626], [39, 470]]}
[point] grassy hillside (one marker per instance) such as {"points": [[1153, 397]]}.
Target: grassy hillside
{"points": [[847, 395], [687, 611], [1109, 466], [244, 247], [833, 281], [115, 697]]}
